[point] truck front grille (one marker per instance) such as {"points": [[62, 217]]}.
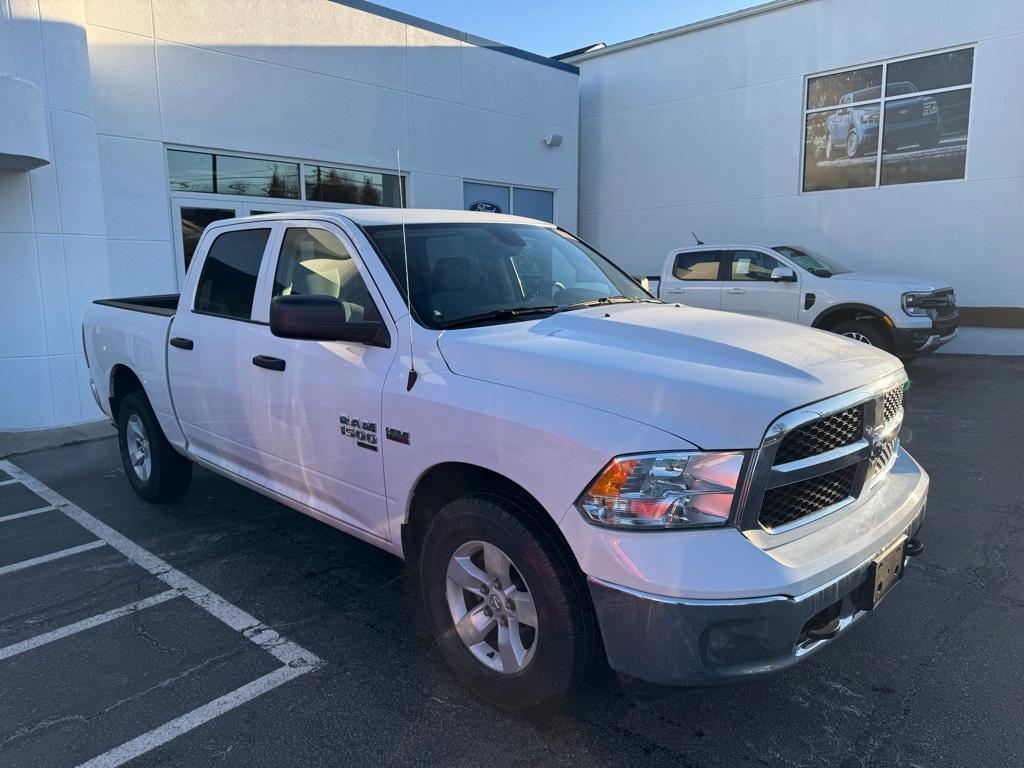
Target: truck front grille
{"points": [[789, 503], [825, 457], [833, 431]]}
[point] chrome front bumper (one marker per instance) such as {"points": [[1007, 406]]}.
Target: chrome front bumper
{"points": [[681, 642]]}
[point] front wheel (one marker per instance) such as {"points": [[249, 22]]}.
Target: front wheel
{"points": [[507, 605], [154, 469], [866, 332]]}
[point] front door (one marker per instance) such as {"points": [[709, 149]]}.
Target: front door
{"points": [[750, 289], [319, 429], [211, 346]]}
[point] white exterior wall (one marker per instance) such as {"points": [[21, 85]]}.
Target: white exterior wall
{"points": [[703, 131], [310, 80]]}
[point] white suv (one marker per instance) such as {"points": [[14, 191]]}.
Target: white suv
{"points": [[904, 315]]}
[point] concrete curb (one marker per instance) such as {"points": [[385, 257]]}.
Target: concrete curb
{"points": [[36, 440]]}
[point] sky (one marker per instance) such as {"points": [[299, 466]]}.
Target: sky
{"points": [[551, 27]]}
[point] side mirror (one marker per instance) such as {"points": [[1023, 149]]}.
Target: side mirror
{"points": [[322, 318], [783, 275]]}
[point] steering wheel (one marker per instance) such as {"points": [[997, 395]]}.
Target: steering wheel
{"points": [[540, 290]]}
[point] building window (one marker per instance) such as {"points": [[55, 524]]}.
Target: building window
{"points": [[897, 122], [231, 175], [329, 184], [501, 198]]}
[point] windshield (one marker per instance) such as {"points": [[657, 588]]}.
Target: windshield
{"points": [[469, 273], [815, 263]]}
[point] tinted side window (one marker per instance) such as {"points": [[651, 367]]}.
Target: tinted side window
{"points": [[698, 265], [314, 262], [228, 280], [752, 265]]}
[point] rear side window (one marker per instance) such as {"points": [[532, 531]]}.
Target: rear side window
{"points": [[227, 283], [697, 265]]}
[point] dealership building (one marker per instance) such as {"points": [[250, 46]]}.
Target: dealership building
{"points": [[127, 126]]}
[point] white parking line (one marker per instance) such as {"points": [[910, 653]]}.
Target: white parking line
{"points": [[19, 515], [8, 482], [51, 556], [84, 624], [297, 660]]}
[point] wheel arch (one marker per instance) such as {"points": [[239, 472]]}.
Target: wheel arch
{"points": [[841, 313], [123, 381], [447, 481]]}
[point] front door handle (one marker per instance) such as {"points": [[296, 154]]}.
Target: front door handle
{"points": [[734, 290], [270, 363], [674, 290], [181, 343]]}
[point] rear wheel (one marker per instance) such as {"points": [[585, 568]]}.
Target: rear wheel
{"points": [[154, 469], [506, 603], [852, 144], [866, 332]]}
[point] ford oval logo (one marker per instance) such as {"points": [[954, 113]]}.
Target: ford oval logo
{"points": [[484, 206]]}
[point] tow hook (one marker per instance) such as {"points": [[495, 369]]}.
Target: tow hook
{"points": [[824, 631], [914, 547]]}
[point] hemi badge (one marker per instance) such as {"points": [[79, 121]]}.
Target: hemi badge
{"points": [[397, 435]]}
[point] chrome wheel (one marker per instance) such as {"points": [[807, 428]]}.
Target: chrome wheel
{"points": [[856, 336], [492, 607], [852, 145], [138, 448]]}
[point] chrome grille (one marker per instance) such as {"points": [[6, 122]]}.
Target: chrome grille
{"points": [[833, 431], [789, 503], [824, 457]]}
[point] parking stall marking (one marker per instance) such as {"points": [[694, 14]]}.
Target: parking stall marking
{"points": [[52, 556], [297, 661], [19, 515]]}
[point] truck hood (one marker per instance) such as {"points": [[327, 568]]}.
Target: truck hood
{"points": [[716, 379], [900, 282]]}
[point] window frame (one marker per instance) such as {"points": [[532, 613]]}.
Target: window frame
{"points": [[882, 100], [723, 259], [203, 254]]}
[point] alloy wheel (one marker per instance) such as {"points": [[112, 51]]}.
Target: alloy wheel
{"points": [[138, 448]]}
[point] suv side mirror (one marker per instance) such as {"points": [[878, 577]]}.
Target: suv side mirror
{"points": [[322, 318], [783, 275]]}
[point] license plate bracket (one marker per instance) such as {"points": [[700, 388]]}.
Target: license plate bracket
{"points": [[885, 571]]}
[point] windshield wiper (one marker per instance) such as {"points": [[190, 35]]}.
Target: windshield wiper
{"points": [[607, 300], [508, 313]]}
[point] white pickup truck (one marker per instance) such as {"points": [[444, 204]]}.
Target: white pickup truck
{"points": [[906, 316], [571, 464]]}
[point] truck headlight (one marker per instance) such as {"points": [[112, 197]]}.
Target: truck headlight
{"points": [[664, 490], [911, 304]]}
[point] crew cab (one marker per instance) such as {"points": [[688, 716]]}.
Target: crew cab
{"points": [[572, 465], [906, 316]]}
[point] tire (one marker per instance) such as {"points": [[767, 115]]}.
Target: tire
{"points": [[154, 469], [830, 148], [557, 652], [866, 331], [852, 144]]}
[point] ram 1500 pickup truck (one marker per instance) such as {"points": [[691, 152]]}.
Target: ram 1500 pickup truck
{"points": [[574, 467], [906, 316]]}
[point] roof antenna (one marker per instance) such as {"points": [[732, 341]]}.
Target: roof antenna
{"points": [[699, 241], [408, 286]]}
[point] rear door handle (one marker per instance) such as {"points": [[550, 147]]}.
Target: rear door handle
{"points": [[734, 290], [270, 363], [181, 343]]}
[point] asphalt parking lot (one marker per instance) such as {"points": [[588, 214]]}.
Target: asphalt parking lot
{"points": [[227, 630]]}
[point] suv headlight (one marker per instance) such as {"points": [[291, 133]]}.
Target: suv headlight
{"points": [[911, 306], [664, 490]]}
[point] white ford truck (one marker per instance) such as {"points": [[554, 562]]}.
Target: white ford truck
{"points": [[572, 465], [906, 316]]}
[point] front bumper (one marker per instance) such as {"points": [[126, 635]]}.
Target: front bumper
{"points": [[683, 642], [918, 341]]}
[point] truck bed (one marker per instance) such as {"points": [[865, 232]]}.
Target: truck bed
{"points": [[165, 304]]}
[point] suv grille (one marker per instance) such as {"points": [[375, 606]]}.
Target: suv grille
{"points": [[792, 502], [854, 428], [825, 434]]}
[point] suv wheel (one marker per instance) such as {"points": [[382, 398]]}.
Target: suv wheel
{"points": [[852, 144], [866, 332], [154, 469], [507, 605], [830, 148]]}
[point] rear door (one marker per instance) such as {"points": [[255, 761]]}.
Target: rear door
{"points": [[750, 290], [211, 346], [694, 279], [318, 403]]}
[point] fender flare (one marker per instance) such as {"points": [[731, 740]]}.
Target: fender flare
{"points": [[823, 320]]}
